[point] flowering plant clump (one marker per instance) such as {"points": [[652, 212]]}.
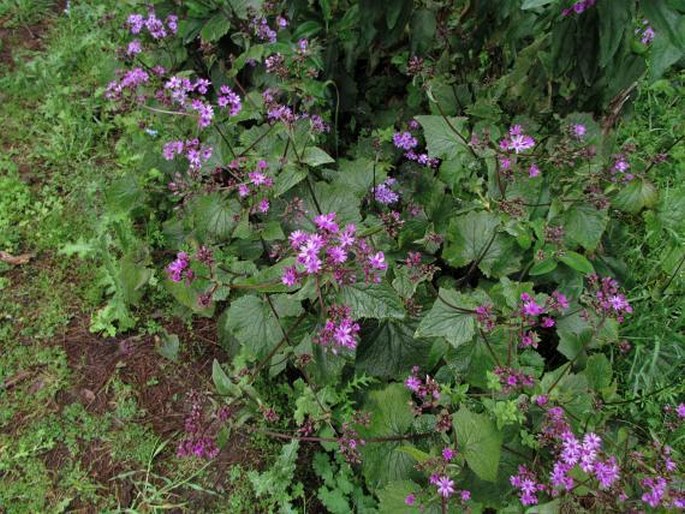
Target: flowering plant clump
{"points": [[420, 255]]}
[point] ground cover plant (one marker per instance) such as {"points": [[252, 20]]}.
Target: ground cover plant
{"points": [[429, 254]]}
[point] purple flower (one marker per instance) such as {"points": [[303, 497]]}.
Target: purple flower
{"points": [[533, 171], [377, 261], [134, 47], [445, 487], [229, 98], [326, 222], [404, 140], [448, 454], [383, 194], [289, 277], [176, 268], [135, 23], [517, 140], [606, 473], [410, 499], [680, 410], [465, 495], [578, 130], [413, 383], [530, 307]]}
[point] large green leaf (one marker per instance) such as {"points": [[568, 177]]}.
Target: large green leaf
{"points": [[441, 140], [391, 416], [252, 322], [479, 442], [315, 156], [391, 350], [379, 301], [214, 216], [585, 226], [614, 18], [443, 320], [474, 237], [636, 195]]}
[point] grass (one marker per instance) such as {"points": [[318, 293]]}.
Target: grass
{"points": [[61, 450]]}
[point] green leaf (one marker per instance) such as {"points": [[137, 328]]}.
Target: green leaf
{"points": [[170, 347], [441, 140], [543, 267], [532, 4], [315, 156], [390, 350], [474, 237], [215, 28], [213, 216], [665, 20], [418, 455], [585, 226], [223, 384], [443, 320], [598, 371], [636, 195], [289, 177], [577, 262], [614, 17], [391, 416], [252, 322], [379, 301], [479, 442]]}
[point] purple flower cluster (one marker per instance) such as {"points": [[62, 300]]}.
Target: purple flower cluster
{"points": [[157, 28], [340, 330], [511, 379], [486, 317], [578, 131], [646, 33], [533, 314], [585, 454], [578, 7], [407, 142], [384, 194], [177, 90], [129, 82], [527, 484], [332, 249], [196, 443], [607, 300], [517, 140], [620, 170], [261, 29], [229, 98], [427, 390], [180, 268], [192, 149]]}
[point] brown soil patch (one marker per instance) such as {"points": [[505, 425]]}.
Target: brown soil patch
{"points": [[16, 36]]}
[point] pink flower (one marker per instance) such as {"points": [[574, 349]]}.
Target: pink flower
{"points": [[377, 261], [326, 222], [680, 410], [289, 277], [445, 487]]}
